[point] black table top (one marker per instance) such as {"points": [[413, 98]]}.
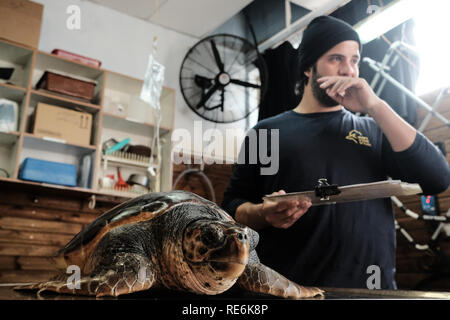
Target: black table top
{"points": [[7, 293]]}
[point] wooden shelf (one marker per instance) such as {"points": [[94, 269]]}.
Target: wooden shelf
{"points": [[50, 185], [31, 185], [7, 179], [55, 99], [12, 92], [9, 137], [46, 61], [128, 89], [132, 121], [19, 58], [70, 61], [133, 81], [107, 192], [54, 140], [13, 86], [15, 53]]}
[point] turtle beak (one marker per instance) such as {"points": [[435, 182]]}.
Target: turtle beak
{"points": [[236, 248]]}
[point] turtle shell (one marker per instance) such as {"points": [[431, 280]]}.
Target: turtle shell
{"points": [[175, 240], [139, 209]]}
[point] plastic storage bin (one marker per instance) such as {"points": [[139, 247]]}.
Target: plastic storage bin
{"points": [[48, 172], [8, 115]]}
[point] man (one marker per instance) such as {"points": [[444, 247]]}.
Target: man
{"points": [[333, 245]]}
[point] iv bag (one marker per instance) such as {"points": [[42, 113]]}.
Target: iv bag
{"points": [[153, 82]]}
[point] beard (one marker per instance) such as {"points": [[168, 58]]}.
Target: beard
{"points": [[319, 93]]}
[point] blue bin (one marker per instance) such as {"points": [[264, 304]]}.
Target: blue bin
{"points": [[48, 172]]}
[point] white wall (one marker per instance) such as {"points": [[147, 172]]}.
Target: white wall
{"points": [[123, 44]]}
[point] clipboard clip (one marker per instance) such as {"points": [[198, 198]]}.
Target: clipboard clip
{"points": [[324, 190]]}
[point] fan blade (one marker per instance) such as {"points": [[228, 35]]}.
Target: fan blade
{"points": [[203, 77], [203, 82], [222, 98], [217, 56], [207, 96], [245, 84], [215, 107]]}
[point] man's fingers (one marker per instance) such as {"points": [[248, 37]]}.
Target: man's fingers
{"points": [[305, 204], [284, 214], [341, 86], [326, 84], [270, 207], [336, 97], [336, 85], [283, 205], [288, 218], [289, 221], [290, 212], [343, 89], [277, 193]]}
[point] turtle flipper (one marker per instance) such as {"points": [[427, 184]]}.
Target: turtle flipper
{"points": [[129, 273], [261, 279]]}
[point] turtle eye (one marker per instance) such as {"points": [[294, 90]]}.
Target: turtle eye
{"points": [[212, 236]]}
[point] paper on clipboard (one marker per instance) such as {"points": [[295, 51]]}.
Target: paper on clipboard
{"points": [[355, 192]]}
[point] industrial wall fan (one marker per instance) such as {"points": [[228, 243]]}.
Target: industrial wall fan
{"points": [[223, 78]]}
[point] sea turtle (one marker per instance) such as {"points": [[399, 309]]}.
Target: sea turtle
{"points": [[176, 240]]}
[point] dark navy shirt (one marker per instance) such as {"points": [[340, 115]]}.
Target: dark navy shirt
{"points": [[334, 245]]}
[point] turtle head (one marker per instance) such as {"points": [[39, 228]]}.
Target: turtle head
{"points": [[216, 250]]}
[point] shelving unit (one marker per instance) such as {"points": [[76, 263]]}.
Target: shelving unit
{"points": [[133, 119], [20, 58]]}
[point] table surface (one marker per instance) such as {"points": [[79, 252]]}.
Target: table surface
{"points": [[7, 293]]}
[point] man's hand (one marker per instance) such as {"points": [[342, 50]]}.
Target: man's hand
{"points": [[283, 214], [354, 94]]}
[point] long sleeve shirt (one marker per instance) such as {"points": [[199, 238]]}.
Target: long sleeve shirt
{"points": [[333, 245]]}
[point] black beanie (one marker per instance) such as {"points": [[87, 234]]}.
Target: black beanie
{"points": [[322, 34]]}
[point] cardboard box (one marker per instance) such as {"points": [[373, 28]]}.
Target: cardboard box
{"points": [[62, 124], [20, 21]]}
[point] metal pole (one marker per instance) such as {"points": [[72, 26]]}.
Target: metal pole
{"points": [[373, 64], [435, 106], [383, 82], [384, 63]]}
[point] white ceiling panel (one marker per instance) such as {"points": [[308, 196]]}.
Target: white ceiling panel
{"points": [[142, 9], [193, 17], [197, 17]]}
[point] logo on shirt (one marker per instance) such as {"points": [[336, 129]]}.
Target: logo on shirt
{"points": [[358, 138]]}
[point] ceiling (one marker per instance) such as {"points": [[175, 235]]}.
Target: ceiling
{"points": [[195, 18], [192, 17]]}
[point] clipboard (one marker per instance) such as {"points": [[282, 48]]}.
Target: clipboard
{"points": [[330, 194]]}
